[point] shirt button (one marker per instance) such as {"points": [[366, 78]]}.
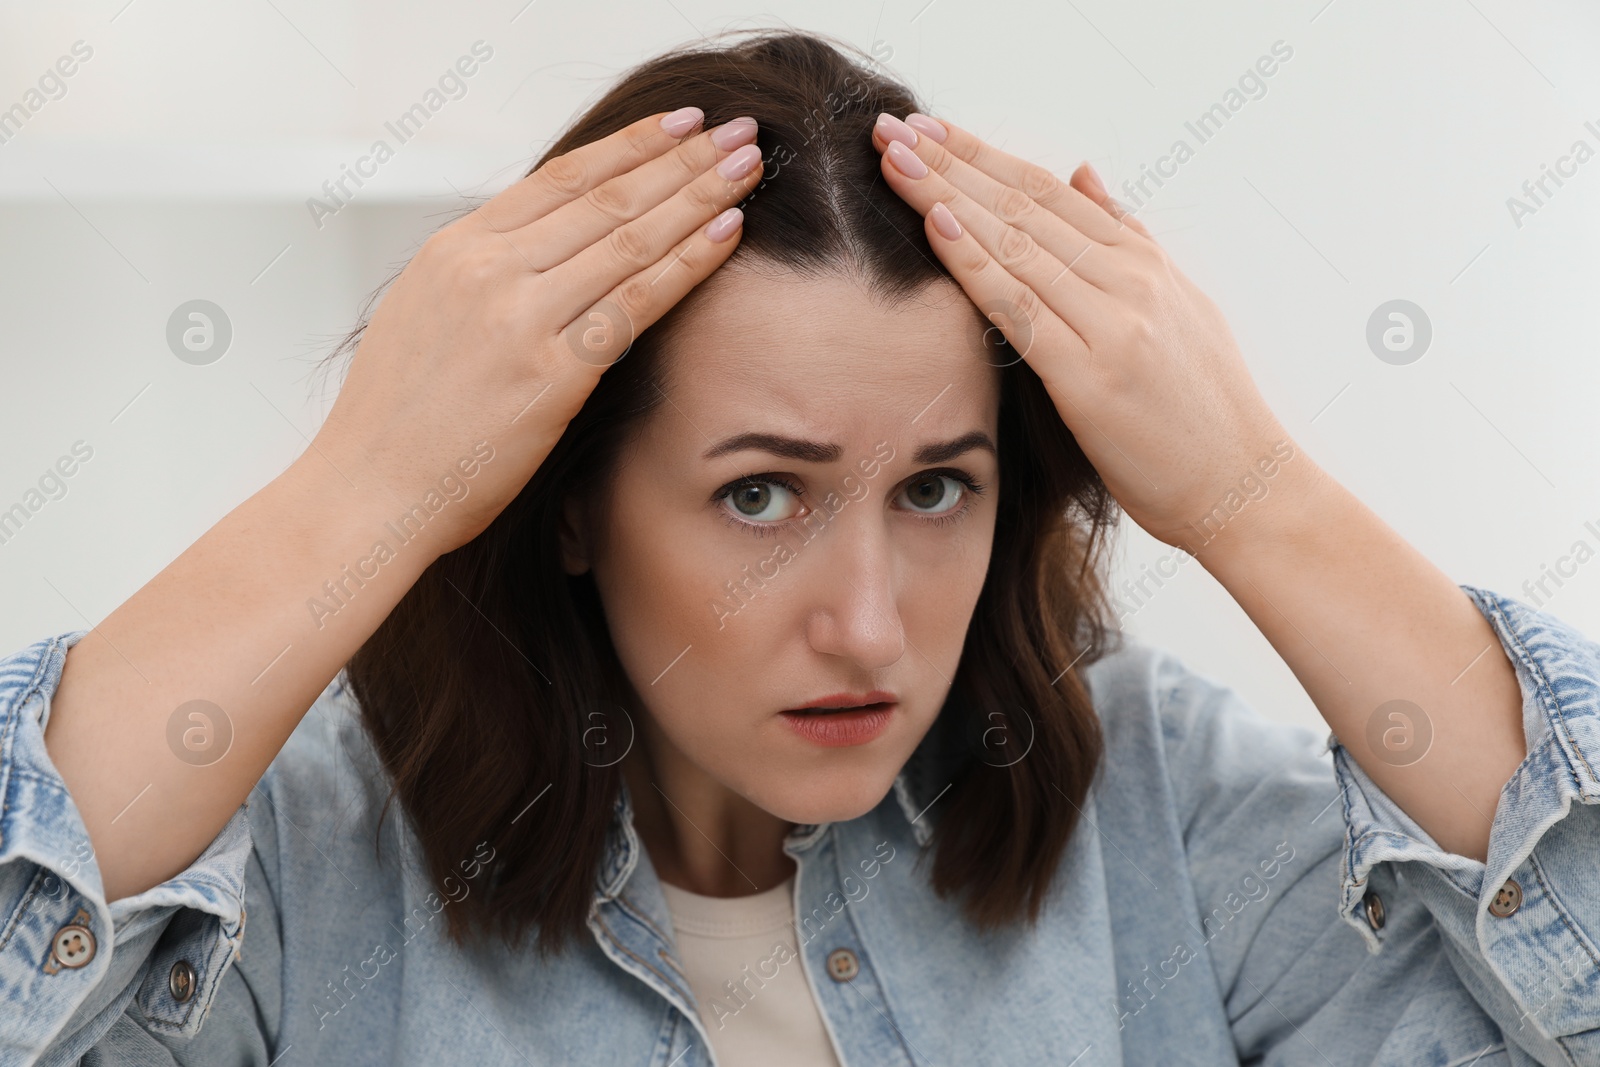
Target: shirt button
{"points": [[1374, 909], [843, 965], [1507, 899], [73, 946], [181, 981]]}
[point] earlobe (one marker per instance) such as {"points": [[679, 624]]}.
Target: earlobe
{"points": [[574, 539]]}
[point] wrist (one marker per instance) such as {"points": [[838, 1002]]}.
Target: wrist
{"points": [[343, 502], [1276, 504]]}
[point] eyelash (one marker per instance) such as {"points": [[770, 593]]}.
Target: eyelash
{"points": [[768, 529]]}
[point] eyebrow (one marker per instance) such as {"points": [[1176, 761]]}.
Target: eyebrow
{"points": [[819, 452]]}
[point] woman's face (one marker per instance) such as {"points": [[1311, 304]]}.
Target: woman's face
{"points": [[850, 560]]}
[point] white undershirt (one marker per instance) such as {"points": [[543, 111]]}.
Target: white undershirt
{"points": [[743, 965]]}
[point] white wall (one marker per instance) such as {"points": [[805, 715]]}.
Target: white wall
{"points": [[1376, 166]]}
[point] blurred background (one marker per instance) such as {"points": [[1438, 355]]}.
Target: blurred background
{"points": [[1401, 221]]}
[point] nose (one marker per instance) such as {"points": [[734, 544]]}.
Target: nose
{"points": [[852, 611]]}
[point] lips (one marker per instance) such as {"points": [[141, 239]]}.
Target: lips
{"points": [[876, 699], [843, 726], [881, 705]]}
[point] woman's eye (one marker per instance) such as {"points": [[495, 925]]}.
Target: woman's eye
{"points": [[763, 501], [934, 494], [761, 504]]}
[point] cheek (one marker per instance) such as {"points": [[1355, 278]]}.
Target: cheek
{"points": [[664, 588], [939, 608], [653, 583], [695, 672]]}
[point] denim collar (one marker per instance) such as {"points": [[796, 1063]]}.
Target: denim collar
{"points": [[932, 769]]}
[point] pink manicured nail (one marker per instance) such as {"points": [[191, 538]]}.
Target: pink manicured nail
{"points": [[945, 221], [905, 161], [740, 163], [734, 132], [923, 124], [682, 120], [721, 228], [892, 129], [1094, 179]]}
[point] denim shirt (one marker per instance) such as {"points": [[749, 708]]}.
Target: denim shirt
{"points": [[1238, 891]]}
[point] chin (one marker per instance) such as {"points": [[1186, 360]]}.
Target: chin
{"points": [[838, 799]]}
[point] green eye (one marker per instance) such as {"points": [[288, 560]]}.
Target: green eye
{"points": [[929, 491], [761, 503], [762, 500]]}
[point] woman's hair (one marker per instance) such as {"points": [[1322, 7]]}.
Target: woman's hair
{"points": [[479, 688]]}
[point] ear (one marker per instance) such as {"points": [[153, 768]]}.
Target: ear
{"points": [[574, 537]]}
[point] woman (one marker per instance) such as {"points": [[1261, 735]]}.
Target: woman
{"points": [[735, 644]]}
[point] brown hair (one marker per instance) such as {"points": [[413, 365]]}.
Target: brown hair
{"points": [[479, 686]]}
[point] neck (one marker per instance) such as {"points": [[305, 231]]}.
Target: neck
{"points": [[701, 835]]}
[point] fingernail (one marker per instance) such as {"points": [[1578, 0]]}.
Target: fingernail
{"points": [[892, 129], [740, 163], [721, 228], [905, 161], [923, 124], [944, 220], [682, 120], [734, 132], [1094, 179]]}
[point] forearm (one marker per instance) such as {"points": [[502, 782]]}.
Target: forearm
{"points": [[1363, 618], [230, 622]]}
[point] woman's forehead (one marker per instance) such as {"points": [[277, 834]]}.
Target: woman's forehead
{"points": [[809, 342]]}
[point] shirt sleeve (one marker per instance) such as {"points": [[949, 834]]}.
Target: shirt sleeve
{"points": [[1361, 941], [90, 976], [1523, 928]]}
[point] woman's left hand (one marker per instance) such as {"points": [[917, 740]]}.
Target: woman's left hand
{"points": [[1140, 363]]}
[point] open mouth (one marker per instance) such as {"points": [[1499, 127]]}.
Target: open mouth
{"points": [[881, 705], [837, 727]]}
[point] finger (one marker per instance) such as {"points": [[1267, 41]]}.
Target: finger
{"points": [[1086, 181], [604, 331], [1013, 251], [571, 174], [1009, 209], [646, 242], [564, 232], [1050, 346], [1039, 183]]}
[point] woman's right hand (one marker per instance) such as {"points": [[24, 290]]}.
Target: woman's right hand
{"points": [[501, 325], [482, 337]]}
